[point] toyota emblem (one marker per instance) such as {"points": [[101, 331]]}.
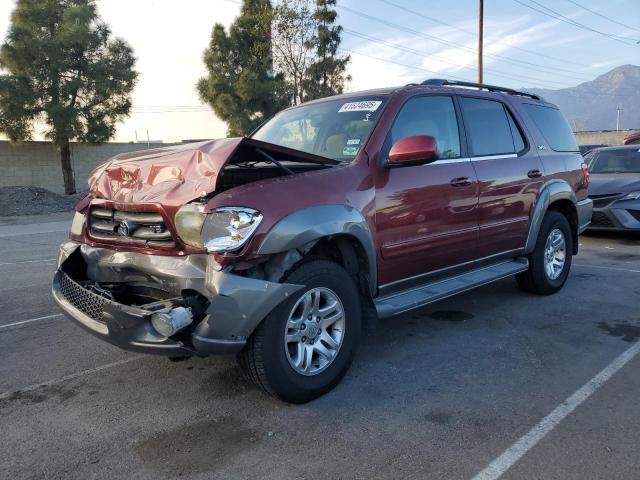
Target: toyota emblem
{"points": [[125, 228]]}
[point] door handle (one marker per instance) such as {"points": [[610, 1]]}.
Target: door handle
{"points": [[534, 174], [461, 182]]}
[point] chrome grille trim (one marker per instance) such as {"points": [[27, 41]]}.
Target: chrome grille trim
{"points": [[147, 229]]}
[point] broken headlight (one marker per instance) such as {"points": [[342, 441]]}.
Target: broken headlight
{"points": [[188, 221], [229, 228]]}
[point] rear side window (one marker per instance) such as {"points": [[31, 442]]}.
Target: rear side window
{"points": [[554, 127], [490, 127]]}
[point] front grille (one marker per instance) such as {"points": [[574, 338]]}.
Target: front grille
{"points": [[144, 228], [635, 214], [86, 301], [601, 201], [599, 219]]}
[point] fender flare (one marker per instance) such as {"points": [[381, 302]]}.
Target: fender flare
{"points": [[552, 191], [313, 223]]}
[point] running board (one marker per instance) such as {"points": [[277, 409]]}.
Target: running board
{"points": [[416, 297]]}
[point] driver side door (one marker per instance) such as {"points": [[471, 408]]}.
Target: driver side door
{"points": [[426, 215]]}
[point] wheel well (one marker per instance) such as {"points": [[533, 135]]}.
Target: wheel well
{"points": [[568, 209], [348, 252]]}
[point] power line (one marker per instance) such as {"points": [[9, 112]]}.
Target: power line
{"points": [[438, 40], [449, 77], [603, 16], [439, 58], [558, 16], [442, 59], [447, 42], [469, 32]]}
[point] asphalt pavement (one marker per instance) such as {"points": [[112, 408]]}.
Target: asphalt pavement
{"points": [[492, 382]]}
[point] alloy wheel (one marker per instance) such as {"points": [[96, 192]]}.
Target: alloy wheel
{"points": [[554, 254], [314, 331]]}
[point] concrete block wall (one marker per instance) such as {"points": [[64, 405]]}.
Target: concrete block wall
{"points": [[38, 163], [607, 137]]}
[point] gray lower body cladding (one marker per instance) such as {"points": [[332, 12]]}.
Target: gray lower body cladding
{"points": [[584, 209], [235, 305]]}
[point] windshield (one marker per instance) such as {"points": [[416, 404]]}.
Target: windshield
{"points": [[625, 160], [335, 129]]}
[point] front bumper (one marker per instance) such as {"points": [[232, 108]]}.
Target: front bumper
{"points": [[621, 215], [236, 305]]}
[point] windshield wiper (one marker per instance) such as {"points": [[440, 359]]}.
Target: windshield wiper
{"points": [[274, 161]]}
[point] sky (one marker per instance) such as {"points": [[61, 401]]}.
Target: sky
{"points": [[391, 42]]}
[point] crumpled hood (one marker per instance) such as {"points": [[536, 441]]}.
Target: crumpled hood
{"points": [[170, 175], [175, 175], [613, 183]]}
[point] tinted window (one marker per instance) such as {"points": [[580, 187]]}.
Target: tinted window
{"points": [[489, 127], [554, 127], [516, 134], [623, 160], [435, 116]]}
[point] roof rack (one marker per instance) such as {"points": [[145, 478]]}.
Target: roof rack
{"points": [[441, 82]]}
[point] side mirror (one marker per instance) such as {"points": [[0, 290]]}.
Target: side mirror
{"points": [[414, 150]]}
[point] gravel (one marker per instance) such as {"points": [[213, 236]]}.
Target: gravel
{"points": [[34, 200]]}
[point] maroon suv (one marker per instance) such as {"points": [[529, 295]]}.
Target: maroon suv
{"points": [[272, 246]]}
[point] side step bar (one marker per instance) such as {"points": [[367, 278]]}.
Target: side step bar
{"points": [[416, 297]]}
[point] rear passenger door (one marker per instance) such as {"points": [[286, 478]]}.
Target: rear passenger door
{"points": [[509, 174]]}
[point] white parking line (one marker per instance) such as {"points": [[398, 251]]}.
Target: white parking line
{"points": [[607, 268], [514, 453], [22, 322], [66, 378], [28, 261]]}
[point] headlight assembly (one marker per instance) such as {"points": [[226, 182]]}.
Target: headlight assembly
{"points": [[632, 196], [229, 228], [188, 221]]}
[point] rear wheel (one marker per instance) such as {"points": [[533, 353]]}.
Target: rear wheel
{"points": [[550, 261], [303, 348]]}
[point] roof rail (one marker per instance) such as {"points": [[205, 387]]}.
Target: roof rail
{"points": [[441, 82]]}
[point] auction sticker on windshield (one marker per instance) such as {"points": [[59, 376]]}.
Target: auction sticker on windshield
{"points": [[366, 106]]}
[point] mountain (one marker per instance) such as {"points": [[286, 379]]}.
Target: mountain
{"points": [[592, 105]]}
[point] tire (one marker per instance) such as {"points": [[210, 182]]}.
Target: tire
{"points": [[270, 361], [538, 279]]}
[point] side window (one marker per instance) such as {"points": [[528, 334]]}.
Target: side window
{"points": [[433, 115], [490, 128], [554, 127], [518, 140]]}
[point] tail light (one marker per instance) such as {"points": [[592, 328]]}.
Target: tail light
{"points": [[585, 174]]}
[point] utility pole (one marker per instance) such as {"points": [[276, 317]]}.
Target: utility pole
{"points": [[618, 110], [480, 31]]}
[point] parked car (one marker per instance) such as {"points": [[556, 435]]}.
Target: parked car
{"points": [[632, 139], [615, 188], [585, 149], [272, 246]]}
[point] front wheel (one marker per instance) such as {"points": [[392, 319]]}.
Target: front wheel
{"points": [[550, 261], [303, 348]]}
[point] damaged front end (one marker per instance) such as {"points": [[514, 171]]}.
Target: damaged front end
{"points": [[167, 305], [140, 269]]}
